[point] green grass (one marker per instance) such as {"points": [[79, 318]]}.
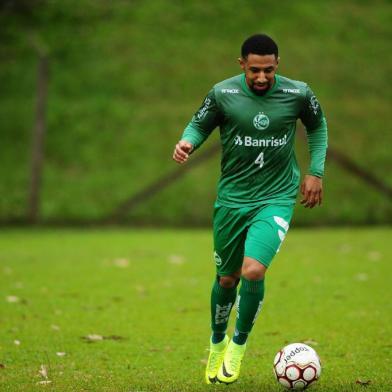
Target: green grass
{"points": [[151, 288]]}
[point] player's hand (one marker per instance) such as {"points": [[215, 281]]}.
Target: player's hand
{"points": [[182, 151], [312, 191]]}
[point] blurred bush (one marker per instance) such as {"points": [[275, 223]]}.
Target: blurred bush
{"points": [[125, 78]]}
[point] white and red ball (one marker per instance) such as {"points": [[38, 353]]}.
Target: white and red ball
{"points": [[296, 366]]}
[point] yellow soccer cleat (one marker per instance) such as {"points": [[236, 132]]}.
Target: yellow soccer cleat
{"points": [[215, 359], [231, 365]]}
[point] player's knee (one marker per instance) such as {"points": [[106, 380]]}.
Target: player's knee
{"points": [[228, 282], [253, 271]]}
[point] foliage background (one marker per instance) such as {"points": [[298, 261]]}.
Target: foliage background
{"points": [[126, 76]]}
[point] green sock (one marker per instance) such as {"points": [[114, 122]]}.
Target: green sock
{"points": [[250, 300], [222, 301]]}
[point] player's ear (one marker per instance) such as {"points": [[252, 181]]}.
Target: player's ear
{"points": [[241, 62], [277, 62]]}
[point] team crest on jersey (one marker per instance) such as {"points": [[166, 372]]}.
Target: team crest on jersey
{"points": [[261, 121]]}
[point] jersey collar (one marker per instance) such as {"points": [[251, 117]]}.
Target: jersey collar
{"points": [[249, 92]]}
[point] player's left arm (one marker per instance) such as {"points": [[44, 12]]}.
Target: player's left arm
{"points": [[317, 134]]}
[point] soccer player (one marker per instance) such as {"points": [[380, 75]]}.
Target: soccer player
{"points": [[256, 113]]}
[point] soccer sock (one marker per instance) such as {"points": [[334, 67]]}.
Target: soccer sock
{"points": [[222, 300], [250, 299]]}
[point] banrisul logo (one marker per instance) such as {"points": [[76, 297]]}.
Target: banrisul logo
{"points": [[248, 141], [238, 141], [261, 121]]}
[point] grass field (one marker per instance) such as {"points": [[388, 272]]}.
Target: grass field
{"points": [[146, 293]]}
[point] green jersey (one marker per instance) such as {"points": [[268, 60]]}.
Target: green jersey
{"points": [[257, 135]]}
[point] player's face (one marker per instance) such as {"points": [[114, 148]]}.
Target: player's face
{"points": [[259, 71]]}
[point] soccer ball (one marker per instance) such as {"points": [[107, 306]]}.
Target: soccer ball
{"points": [[296, 366]]}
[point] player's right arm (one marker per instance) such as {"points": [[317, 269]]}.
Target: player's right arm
{"points": [[205, 120], [182, 151]]}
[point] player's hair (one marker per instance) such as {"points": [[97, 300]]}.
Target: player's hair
{"points": [[259, 44]]}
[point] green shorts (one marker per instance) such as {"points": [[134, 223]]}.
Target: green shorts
{"points": [[255, 232]]}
